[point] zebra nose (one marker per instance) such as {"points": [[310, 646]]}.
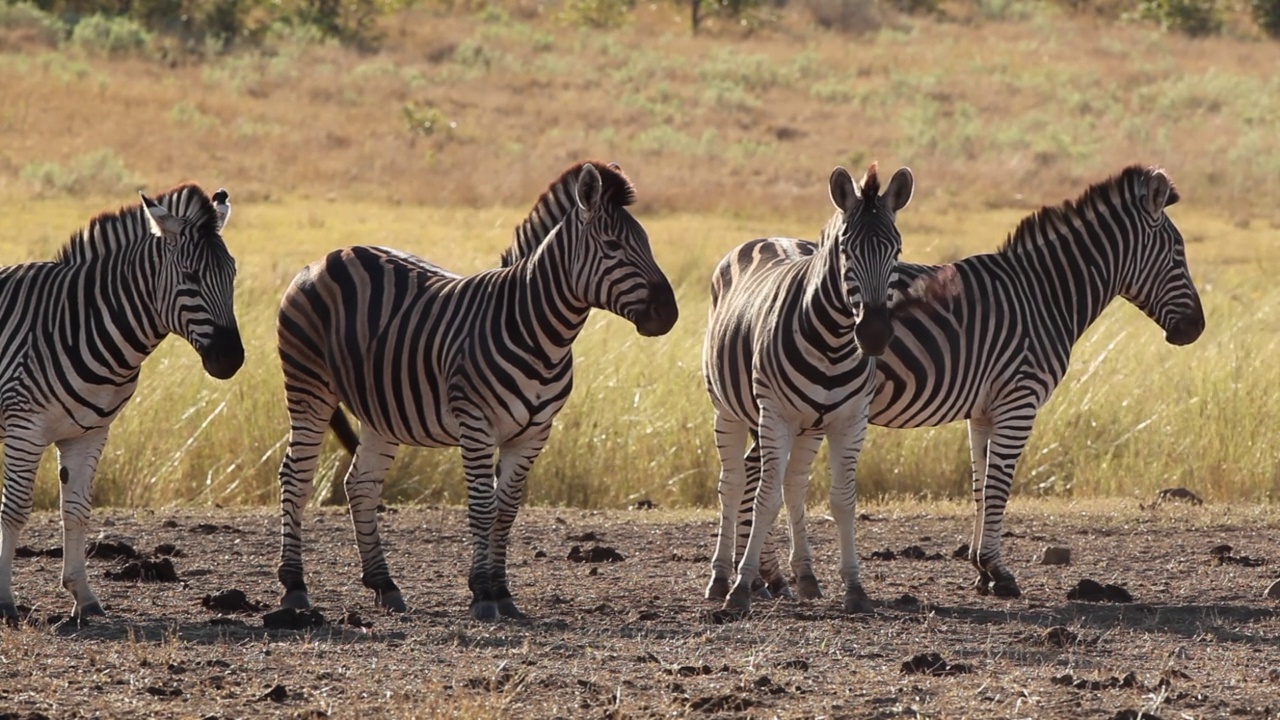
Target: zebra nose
{"points": [[661, 313], [1186, 329], [223, 355], [874, 330]]}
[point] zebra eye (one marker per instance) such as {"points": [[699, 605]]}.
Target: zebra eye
{"points": [[190, 277], [613, 244]]}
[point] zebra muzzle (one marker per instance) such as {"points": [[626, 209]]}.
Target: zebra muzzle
{"points": [[223, 355], [874, 330], [660, 315]]}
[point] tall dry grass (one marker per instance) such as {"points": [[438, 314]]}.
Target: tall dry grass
{"points": [[1132, 416]]}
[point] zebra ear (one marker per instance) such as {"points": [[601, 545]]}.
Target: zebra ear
{"points": [[588, 190], [1160, 192], [902, 187], [844, 193], [222, 207], [162, 222]]}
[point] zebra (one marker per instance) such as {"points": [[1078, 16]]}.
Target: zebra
{"points": [[788, 358], [75, 334], [426, 358], [988, 338]]}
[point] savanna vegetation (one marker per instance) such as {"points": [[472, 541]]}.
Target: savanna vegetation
{"points": [[432, 128]]}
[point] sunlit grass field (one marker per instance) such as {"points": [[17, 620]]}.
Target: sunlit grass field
{"points": [[1133, 415]]}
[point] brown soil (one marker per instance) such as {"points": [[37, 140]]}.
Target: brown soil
{"points": [[634, 637]]}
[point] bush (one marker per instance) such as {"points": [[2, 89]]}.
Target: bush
{"points": [[33, 22], [1196, 18], [110, 35], [596, 13], [1267, 14], [99, 173], [846, 15]]}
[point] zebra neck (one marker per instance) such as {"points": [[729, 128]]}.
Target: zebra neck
{"points": [[111, 305], [826, 305], [1071, 282], [545, 304]]}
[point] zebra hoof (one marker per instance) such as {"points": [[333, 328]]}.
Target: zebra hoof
{"points": [[296, 599], [1006, 588], [856, 601], [808, 586], [9, 611], [92, 609], [507, 609], [739, 601], [484, 610], [778, 589], [392, 600], [718, 588]]}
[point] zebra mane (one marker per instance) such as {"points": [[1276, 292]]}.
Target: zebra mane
{"points": [[559, 200], [1121, 187], [871, 183], [102, 233]]}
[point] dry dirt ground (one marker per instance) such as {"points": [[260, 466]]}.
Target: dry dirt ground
{"points": [[635, 638]]}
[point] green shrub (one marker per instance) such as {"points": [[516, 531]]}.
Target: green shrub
{"points": [[1196, 18], [98, 173], [1267, 14], [111, 36], [33, 21], [596, 13]]}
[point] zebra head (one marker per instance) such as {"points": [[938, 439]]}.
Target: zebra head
{"points": [[1158, 281], [869, 248], [617, 264], [195, 284]]}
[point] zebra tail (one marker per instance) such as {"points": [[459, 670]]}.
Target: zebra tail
{"points": [[342, 428]]}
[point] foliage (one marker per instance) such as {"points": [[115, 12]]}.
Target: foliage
{"points": [[1267, 14], [111, 36], [596, 13], [101, 172], [1196, 18], [28, 17], [846, 15]]}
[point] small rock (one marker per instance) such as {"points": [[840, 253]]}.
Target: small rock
{"points": [[596, 554], [584, 537], [167, 550], [232, 600], [146, 570], [169, 524], [885, 554], [961, 552], [1091, 591], [164, 691], [645, 504], [1059, 636], [539, 553], [913, 552], [110, 550], [278, 693], [292, 619], [795, 664], [1056, 555], [1178, 493], [906, 601], [1220, 550], [353, 619], [1273, 592], [933, 664]]}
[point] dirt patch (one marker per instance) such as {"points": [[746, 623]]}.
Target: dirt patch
{"points": [[635, 638]]}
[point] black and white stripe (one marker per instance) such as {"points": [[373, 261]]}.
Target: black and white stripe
{"points": [[426, 358], [787, 360], [74, 335], [987, 339]]}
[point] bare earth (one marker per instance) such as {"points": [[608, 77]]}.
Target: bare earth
{"points": [[635, 638]]}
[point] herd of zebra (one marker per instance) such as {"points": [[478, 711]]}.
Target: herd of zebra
{"points": [[804, 340]]}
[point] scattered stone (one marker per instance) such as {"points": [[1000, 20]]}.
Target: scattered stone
{"points": [[593, 572], [906, 601], [596, 554], [765, 684], [1059, 636], [1274, 674], [913, 552], [933, 664], [539, 554], [1056, 555], [1178, 493], [1221, 555], [690, 670], [211, 529], [910, 552], [796, 664], [721, 704], [167, 550], [158, 691], [277, 693], [177, 668], [353, 619], [232, 600], [588, 536], [169, 524], [1129, 681], [292, 619], [1092, 591], [1273, 592], [961, 552], [645, 504], [1220, 550], [146, 570], [885, 554]]}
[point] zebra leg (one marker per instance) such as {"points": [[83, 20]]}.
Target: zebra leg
{"points": [[795, 490], [776, 584], [364, 489], [514, 463], [477, 463], [731, 436], [1007, 443], [846, 446], [297, 475], [21, 459], [78, 459], [776, 438], [979, 437]]}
